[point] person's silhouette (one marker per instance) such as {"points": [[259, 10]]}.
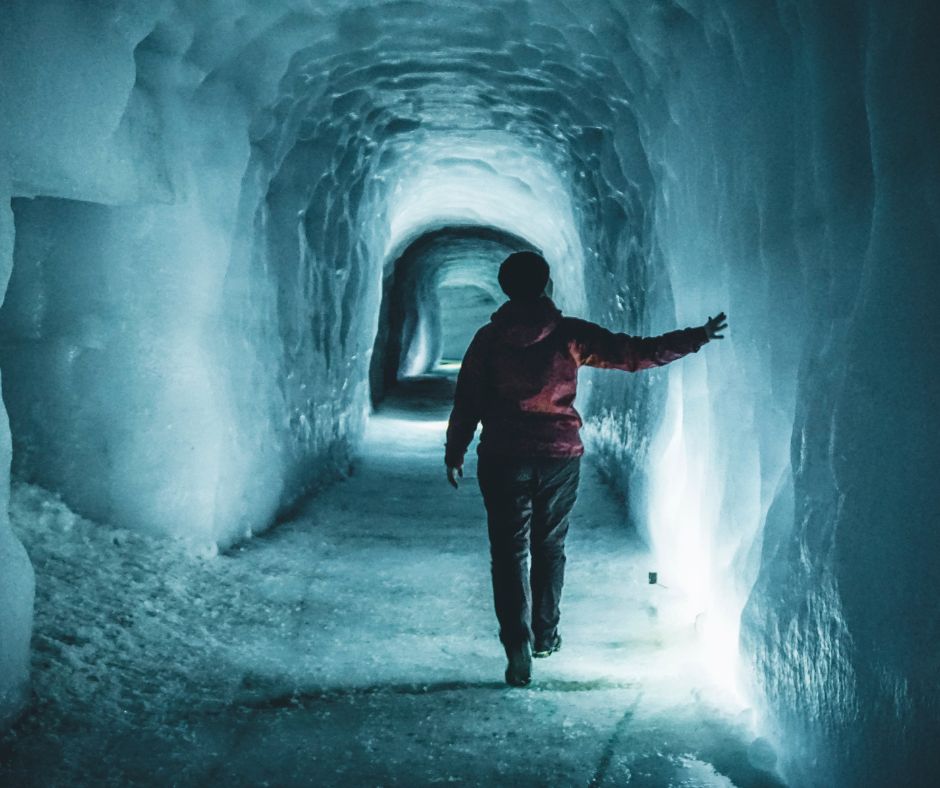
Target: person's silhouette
{"points": [[519, 377]]}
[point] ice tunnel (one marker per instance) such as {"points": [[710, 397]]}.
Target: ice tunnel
{"points": [[228, 228], [439, 291]]}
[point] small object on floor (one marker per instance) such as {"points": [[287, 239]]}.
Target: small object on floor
{"points": [[550, 649], [519, 669]]}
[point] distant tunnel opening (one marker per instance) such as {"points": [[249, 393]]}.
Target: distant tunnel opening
{"points": [[439, 290]]}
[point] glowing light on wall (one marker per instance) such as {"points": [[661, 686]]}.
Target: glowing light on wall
{"points": [[684, 505]]}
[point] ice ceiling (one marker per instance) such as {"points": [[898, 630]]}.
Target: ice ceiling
{"points": [[205, 202]]}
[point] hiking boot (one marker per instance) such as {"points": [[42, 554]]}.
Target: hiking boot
{"points": [[519, 669], [551, 648]]}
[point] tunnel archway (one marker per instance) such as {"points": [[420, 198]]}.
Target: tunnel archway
{"points": [[410, 337]]}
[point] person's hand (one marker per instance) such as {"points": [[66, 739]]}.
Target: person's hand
{"points": [[452, 473], [716, 324]]}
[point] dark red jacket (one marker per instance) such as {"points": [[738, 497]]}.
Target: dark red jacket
{"points": [[520, 373]]}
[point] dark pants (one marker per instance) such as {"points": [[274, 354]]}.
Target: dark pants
{"points": [[528, 501]]}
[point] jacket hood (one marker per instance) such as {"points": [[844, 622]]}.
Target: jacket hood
{"points": [[523, 323]]}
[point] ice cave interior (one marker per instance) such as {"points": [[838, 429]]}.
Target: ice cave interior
{"points": [[230, 227]]}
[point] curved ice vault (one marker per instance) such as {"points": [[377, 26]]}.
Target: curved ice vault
{"points": [[204, 204]]}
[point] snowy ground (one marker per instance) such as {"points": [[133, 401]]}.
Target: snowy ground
{"points": [[356, 645]]}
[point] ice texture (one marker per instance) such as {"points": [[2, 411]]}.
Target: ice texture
{"points": [[356, 645], [17, 583], [229, 227]]}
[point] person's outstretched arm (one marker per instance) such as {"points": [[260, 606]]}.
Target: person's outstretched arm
{"points": [[468, 408], [595, 346]]}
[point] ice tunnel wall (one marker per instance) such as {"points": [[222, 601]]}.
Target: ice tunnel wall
{"points": [[204, 204], [797, 187]]}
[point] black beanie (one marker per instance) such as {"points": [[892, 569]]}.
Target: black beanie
{"points": [[523, 275]]}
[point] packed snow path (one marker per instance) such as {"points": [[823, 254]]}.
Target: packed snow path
{"points": [[356, 645]]}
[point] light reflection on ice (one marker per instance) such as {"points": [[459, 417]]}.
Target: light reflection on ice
{"points": [[682, 521]]}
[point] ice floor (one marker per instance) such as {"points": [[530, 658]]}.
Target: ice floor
{"points": [[355, 645]]}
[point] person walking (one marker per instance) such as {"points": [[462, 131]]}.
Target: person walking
{"points": [[519, 378]]}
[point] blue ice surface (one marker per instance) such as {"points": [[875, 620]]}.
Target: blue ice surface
{"points": [[200, 213]]}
